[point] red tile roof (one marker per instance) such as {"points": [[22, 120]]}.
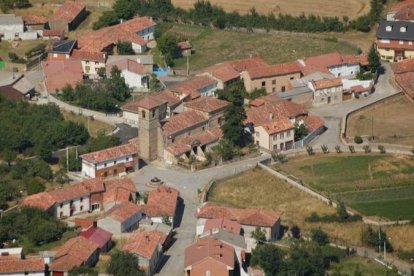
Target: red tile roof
{"points": [[257, 102], [59, 73], [22, 266], [111, 153], [97, 41], [193, 85], [278, 125], [69, 192], [403, 66], [274, 111], [313, 123], [274, 70], [161, 201], [406, 81], [122, 212], [209, 248], [68, 11], [119, 190], [41, 200], [98, 236], [207, 104], [404, 10], [74, 252], [184, 121], [84, 223], [88, 56], [144, 243], [395, 44], [126, 64], [148, 102], [327, 83], [59, 33], [223, 223], [252, 217], [34, 19], [185, 45]]}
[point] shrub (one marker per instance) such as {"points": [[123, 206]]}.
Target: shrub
{"points": [[280, 157], [381, 148], [319, 236], [309, 149], [338, 149], [358, 140], [325, 149], [367, 148], [351, 149]]}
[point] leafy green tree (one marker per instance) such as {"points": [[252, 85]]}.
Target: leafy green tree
{"points": [[233, 127], [101, 142], [342, 212], [125, 48], [154, 83], [166, 220], [8, 156], [120, 89], [300, 132], [319, 236], [373, 59], [268, 257], [376, 239], [305, 259], [108, 18], [82, 271], [124, 264], [259, 235], [230, 90], [35, 186], [225, 149], [168, 46]]}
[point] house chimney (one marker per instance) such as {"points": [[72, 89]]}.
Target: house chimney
{"points": [[122, 21]]}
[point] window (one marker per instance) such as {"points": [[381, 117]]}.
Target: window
{"points": [[96, 63], [143, 114], [288, 133], [104, 164], [81, 208], [274, 137], [172, 140], [61, 205], [273, 82], [81, 199], [127, 159], [115, 162], [388, 28], [401, 42], [95, 206], [87, 62], [322, 99], [263, 83], [153, 113], [283, 89], [282, 136], [274, 89], [403, 29], [203, 128], [275, 147], [189, 133], [292, 78], [219, 121]]}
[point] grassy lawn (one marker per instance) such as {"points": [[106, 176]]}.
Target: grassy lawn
{"points": [[30, 248], [20, 47], [214, 46], [384, 126], [372, 184], [366, 267], [95, 126]]}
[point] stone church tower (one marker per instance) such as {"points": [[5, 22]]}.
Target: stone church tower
{"points": [[151, 112]]}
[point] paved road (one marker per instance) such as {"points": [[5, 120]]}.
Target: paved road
{"points": [[188, 184], [335, 115]]}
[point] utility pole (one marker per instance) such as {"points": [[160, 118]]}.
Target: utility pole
{"points": [[372, 127], [188, 64], [385, 246], [67, 159], [379, 236]]}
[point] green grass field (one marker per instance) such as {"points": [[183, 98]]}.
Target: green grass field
{"points": [[367, 267], [214, 46], [375, 185]]}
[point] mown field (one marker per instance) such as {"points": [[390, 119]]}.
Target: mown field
{"points": [[375, 185], [366, 267], [350, 8], [383, 126], [259, 189], [213, 46]]}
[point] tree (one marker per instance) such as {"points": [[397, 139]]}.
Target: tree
{"points": [[168, 46], [125, 48], [259, 235], [9, 156], [342, 212], [82, 271], [117, 85], [124, 264], [154, 83], [304, 259], [225, 149], [373, 59], [35, 186], [319, 236], [166, 220], [376, 239], [268, 257], [233, 127], [300, 131]]}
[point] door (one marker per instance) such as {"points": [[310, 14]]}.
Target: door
{"points": [[329, 100]]}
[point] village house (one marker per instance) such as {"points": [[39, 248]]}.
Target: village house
{"points": [[74, 253], [121, 218], [12, 28], [195, 87], [209, 256], [272, 124], [162, 202], [146, 246], [249, 219], [404, 76], [133, 72], [91, 62], [68, 16], [139, 31], [174, 106], [327, 91], [60, 73], [35, 22], [228, 72], [272, 78], [87, 196], [16, 87], [186, 49], [401, 11], [99, 236], [111, 161], [395, 40], [13, 264], [336, 64], [219, 223], [61, 50]]}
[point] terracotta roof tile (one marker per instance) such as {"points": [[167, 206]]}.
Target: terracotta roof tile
{"points": [[98, 236], [253, 217], [74, 252], [185, 45], [193, 85], [22, 266], [313, 123], [208, 248], [327, 83], [406, 81], [257, 102], [69, 192], [395, 44], [88, 56], [68, 11], [403, 66], [278, 125], [223, 223], [41, 200], [144, 243], [96, 41], [59, 73], [122, 212], [126, 64], [149, 102], [178, 148], [161, 201], [119, 190], [59, 33], [34, 19], [274, 111], [183, 121], [111, 153], [207, 104], [84, 223], [274, 70]]}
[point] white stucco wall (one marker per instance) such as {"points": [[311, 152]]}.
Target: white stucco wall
{"points": [[130, 118], [138, 48], [344, 70], [133, 80], [91, 67], [88, 169], [112, 162], [65, 209]]}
